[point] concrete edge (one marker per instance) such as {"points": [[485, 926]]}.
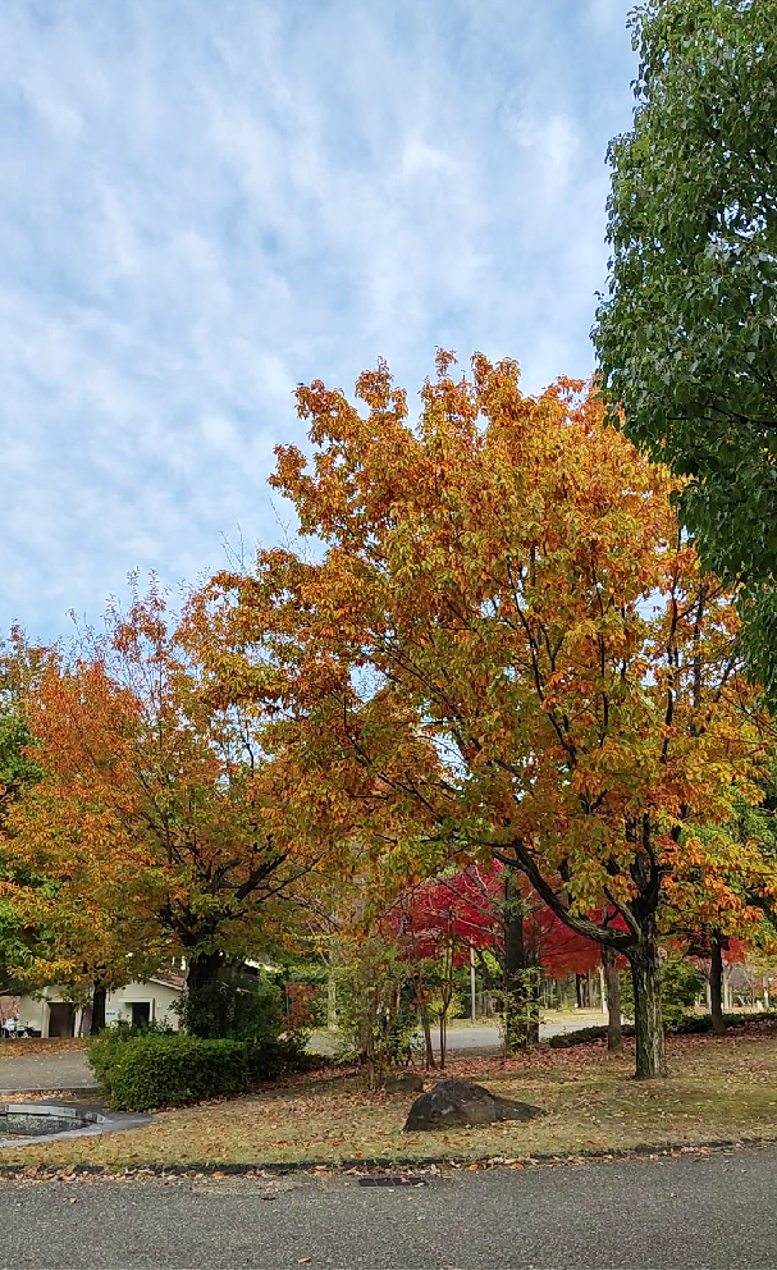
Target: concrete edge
{"points": [[100, 1121], [376, 1164]]}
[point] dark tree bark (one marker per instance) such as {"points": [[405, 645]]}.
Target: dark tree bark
{"points": [[613, 990], [423, 1011], [520, 982], [98, 1010], [638, 942], [207, 1005], [648, 1020], [716, 987], [581, 992]]}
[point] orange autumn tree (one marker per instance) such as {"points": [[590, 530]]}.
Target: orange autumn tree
{"points": [[159, 823], [507, 646]]}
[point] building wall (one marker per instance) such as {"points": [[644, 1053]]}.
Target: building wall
{"points": [[35, 1013], [161, 997]]}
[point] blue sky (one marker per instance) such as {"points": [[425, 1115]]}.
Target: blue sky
{"points": [[204, 202]]}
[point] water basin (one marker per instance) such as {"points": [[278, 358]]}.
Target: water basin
{"points": [[26, 1122]]}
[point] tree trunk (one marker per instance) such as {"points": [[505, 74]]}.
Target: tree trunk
{"points": [[519, 1010], [423, 1014], [613, 995], [428, 1042], [331, 1002], [716, 986], [648, 1021], [728, 996], [206, 1005], [98, 1010], [443, 1021]]}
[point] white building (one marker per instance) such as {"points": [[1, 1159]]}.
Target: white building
{"points": [[50, 1013]]}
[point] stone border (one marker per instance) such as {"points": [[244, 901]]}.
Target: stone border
{"points": [[99, 1121], [374, 1165]]}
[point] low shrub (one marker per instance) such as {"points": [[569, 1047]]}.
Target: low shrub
{"points": [[143, 1072], [102, 1050], [695, 1024], [267, 1060], [690, 1025], [584, 1036], [139, 1072]]}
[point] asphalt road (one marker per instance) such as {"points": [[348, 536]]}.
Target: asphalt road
{"points": [[713, 1212], [483, 1036]]}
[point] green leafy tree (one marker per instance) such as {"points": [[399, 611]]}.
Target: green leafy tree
{"points": [[687, 335], [20, 662]]}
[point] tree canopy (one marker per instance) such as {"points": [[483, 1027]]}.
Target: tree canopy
{"points": [[509, 649], [687, 333], [157, 822]]}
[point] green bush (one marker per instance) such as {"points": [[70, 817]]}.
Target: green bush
{"points": [[690, 1025], [142, 1072], [233, 1007], [267, 1060], [681, 984], [103, 1050], [139, 1072], [376, 1010]]}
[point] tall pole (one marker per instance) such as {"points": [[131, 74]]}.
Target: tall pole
{"points": [[472, 982]]}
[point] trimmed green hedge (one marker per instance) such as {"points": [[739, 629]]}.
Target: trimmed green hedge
{"points": [[161, 1071], [584, 1036], [691, 1025], [139, 1073]]}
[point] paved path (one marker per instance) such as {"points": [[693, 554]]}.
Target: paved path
{"points": [[484, 1036], [67, 1069], [701, 1213]]}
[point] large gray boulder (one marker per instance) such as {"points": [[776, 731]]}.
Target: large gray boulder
{"points": [[460, 1102]]}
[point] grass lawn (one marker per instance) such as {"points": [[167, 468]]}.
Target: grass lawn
{"points": [[719, 1088]]}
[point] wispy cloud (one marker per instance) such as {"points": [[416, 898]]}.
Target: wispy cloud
{"points": [[204, 204]]}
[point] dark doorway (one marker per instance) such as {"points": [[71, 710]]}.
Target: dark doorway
{"points": [[62, 1018], [141, 1013]]}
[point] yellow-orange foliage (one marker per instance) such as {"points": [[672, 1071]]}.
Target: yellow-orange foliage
{"points": [[158, 824], [508, 648]]}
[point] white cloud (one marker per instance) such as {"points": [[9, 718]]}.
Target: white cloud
{"points": [[221, 434], [205, 204]]}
